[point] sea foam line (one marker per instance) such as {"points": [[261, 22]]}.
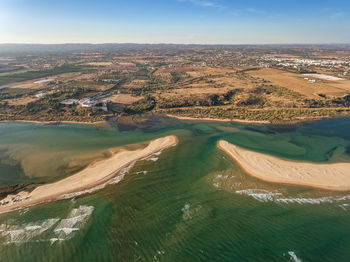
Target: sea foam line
{"points": [[294, 256], [267, 196], [49, 230], [112, 181]]}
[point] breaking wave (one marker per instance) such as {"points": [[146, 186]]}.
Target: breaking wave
{"points": [[141, 173], [267, 196], [112, 181], [49, 230], [75, 220], [260, 194], [294, 256], [345, 206], [153, 157]]}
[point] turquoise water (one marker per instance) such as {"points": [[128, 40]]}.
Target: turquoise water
{"points": [[191, 203]]}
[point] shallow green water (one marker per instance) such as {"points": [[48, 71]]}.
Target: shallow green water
{"points": [[191, 203]]}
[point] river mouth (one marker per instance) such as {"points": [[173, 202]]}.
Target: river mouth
{"points": [[191, 203]]}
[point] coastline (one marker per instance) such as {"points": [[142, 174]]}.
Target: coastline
{"points": [[94, 175], [333, 176], [219, 119], [102, 122], [185, 118]]}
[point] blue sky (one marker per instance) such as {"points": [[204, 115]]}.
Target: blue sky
{"points": [[175, 21]]}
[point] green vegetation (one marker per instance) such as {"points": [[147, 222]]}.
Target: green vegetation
{"points": [[253, 100], [142, 106], [11, 93], [175, 77], [8, 69], [208, 100], [280, 91], [28, 75], [272, 115]]}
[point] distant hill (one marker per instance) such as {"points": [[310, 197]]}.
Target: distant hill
{"points": [[24, 49]]}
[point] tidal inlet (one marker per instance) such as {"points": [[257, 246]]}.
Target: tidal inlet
{"points": [[186, 191]]}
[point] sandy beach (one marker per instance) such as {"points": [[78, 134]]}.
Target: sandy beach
{"points": [[102, 122], [333, 176], [218, 119], [95, 174]]}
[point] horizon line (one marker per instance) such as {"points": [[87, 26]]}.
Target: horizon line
{"points": [[165, 43]]}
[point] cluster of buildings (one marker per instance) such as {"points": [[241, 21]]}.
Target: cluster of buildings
{"points": [[93, 103], [295, 62], [310, 80]]}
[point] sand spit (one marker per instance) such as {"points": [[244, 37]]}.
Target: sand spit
{"points": [[94, 175], [334, 176]]}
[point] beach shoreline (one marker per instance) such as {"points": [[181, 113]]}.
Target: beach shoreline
{"points": [[326, 176], [95, 174], [207, 119], [102, 122]]}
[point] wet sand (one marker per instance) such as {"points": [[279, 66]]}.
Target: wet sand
{"points": [[332, 176], [94, 175]]}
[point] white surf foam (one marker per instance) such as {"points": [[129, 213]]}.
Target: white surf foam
{"points": [[141, 173], [22, 233], [83, 192], [55, 239], [112, 181], [267, 196], [317, 201], [294, 256], [345, 206], [30, 228], [127, 169], [152, 157], [45, 230], [67, 230], [260, 194], [74, 221]]}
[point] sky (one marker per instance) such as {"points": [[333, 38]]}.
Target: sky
{"points": [[175, 21]]}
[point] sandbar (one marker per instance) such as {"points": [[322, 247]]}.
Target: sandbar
{"points": [[329, 176], [95, 174]]}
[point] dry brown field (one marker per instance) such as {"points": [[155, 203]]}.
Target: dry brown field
{"points": [[136, 83], [21, 101], [124, 99], [297, 83], [102, 64]]}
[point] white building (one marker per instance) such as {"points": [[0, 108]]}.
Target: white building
{"points": [[41, 95], [69, 102]]}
